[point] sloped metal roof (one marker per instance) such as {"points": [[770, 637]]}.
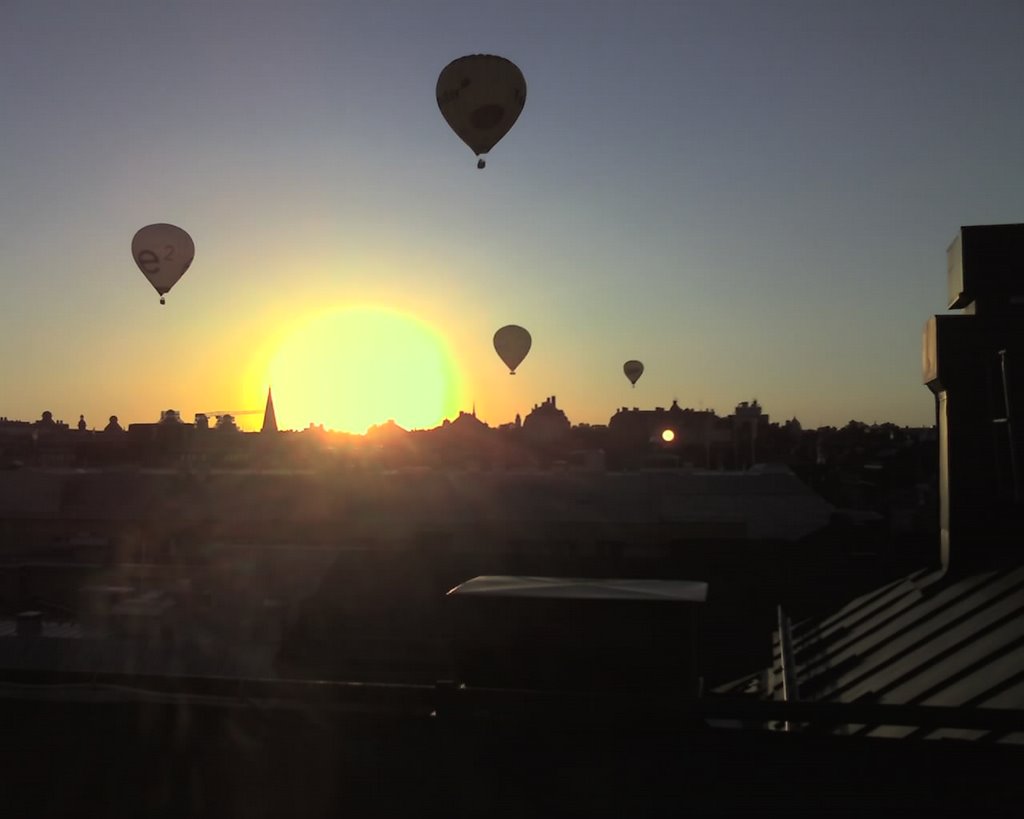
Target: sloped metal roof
{"points": [[581, 588], [928, 639]]}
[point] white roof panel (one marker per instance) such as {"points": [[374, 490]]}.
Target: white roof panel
{"points": [[583, 588]]}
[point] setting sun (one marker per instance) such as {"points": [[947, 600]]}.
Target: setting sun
{"points": [[350, 368]]}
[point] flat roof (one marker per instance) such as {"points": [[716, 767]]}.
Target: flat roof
{"points": [[583, 588]]}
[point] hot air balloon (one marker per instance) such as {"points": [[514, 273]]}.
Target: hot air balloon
{"points": [[633, 370], [163, 253], [481, 97], [512, 343]]}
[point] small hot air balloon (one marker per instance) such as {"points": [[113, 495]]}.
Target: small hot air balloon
{"points": [[633, 370], [163, 253], [481, 97], [512, 343]]}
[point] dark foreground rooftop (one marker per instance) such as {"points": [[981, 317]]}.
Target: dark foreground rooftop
{"points": [[123, 746]]}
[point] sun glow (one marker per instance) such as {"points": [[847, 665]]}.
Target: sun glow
{"points": [[350, 368]]}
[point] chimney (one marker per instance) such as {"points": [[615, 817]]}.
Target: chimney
{"points": [[974, 364]]}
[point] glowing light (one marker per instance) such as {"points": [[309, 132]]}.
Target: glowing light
{"points": [[350, 368], [668, 436]]}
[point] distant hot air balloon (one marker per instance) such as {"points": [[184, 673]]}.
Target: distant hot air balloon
{"points": [[481, 97], [512, 343], [633, 370], [163, 253]]}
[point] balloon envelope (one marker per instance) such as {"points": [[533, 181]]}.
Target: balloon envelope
{"points": [[512, 343], [633, 370], [481, 97], [163, 253]]}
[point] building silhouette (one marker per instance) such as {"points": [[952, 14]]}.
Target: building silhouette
{"points": [[546, 423], [698, 437], [747, 420]]}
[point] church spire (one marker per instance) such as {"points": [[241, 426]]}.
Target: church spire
{"points": [[269, 418]]}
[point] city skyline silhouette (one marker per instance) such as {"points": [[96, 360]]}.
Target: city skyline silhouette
{"points": [[746, 205]]}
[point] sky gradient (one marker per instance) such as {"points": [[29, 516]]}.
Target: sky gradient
{"points": [[754, 199]]}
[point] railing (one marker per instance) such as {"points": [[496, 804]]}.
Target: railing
{"points": [[637, 711], [790, 687]]}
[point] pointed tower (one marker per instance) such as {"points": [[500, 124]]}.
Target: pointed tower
{"points": [[269, 418]]}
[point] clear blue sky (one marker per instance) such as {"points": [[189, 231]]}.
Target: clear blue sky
{"points": [[753, 198]]}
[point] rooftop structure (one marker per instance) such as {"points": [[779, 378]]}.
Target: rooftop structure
{"points": [[950, 635]]}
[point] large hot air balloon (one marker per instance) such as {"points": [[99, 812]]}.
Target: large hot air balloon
{"points": [[481, 97], [163, 253], [633, 370], [512, 343]]}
